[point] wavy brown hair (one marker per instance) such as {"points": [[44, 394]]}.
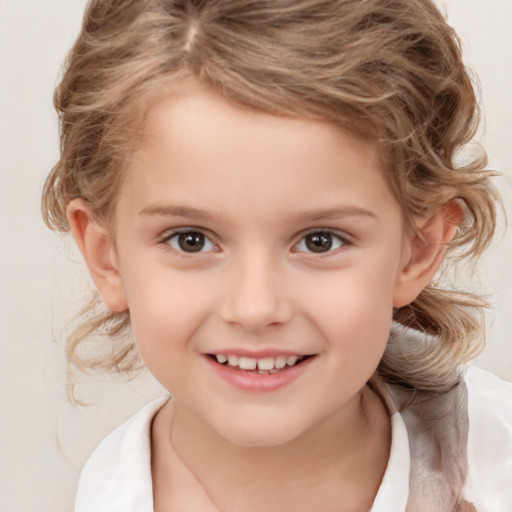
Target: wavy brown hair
{"points": [[388, 70]]}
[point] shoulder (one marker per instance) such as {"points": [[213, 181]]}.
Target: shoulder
{"points": [[117, 476], [489, 449]]}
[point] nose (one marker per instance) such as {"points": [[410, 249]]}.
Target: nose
{"points": [[255, 296]]}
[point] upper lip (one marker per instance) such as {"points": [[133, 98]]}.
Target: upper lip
{"points": [[259, 354]]}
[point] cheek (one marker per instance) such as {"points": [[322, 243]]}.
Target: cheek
{"points": [[354, 311], [163, 323], [165, 309], [356, 315]]}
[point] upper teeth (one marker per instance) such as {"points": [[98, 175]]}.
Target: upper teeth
{"points": [[251, 363]]}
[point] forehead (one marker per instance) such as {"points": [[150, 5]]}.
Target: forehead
{"points": [[196, 145]]}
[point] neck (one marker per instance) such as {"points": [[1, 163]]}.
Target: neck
{"points": [[341, 460]]}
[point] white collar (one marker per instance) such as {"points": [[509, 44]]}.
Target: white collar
{"points": [[117, 476]]}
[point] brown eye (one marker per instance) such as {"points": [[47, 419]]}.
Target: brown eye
{"points": [[320, 242], [190, 241]]}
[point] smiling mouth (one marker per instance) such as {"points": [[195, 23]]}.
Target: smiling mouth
{"points": [[262, 366]]}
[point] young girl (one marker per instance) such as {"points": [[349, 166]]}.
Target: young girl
{"points": [[264, 192]]}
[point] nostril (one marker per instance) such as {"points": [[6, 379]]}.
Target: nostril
{"points": [[254, 298]]}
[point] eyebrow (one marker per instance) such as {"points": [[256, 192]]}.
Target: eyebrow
{"points": [[311, 216], [338, 213], [175, 211]]}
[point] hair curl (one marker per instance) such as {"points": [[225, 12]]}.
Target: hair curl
{"points": [[389, 70]]}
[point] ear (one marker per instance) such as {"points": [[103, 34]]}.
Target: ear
{"points": [[424, 252], [99, 252]]}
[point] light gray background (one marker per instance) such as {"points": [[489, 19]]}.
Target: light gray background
{"points": [[43, 439]]}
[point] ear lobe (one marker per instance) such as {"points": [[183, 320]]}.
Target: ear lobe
{"points": [[425, 251], [99, 253]]}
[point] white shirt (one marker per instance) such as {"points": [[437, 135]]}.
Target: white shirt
{"points": [[117, 476]]}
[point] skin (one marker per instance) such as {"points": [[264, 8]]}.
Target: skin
{"points": [[256, 185]]}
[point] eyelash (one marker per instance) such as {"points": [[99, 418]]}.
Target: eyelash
{"points": [[166, 240], [335, 238], [343, 241]]}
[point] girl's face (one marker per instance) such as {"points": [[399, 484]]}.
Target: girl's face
{"points": [[261, 241]]}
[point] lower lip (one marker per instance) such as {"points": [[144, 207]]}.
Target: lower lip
{"points": [[257, 382]]}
